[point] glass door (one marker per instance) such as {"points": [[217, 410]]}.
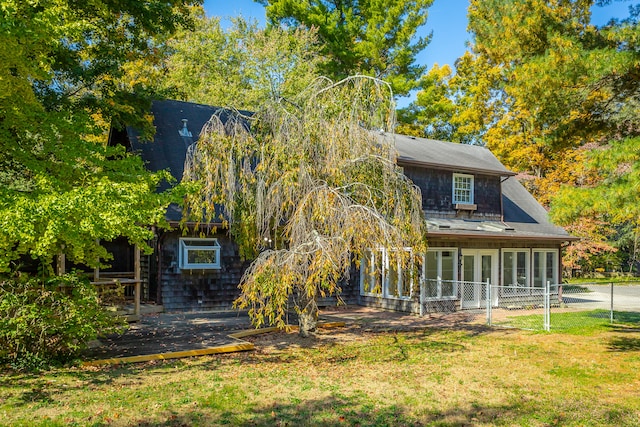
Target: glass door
{"points": [[479, 266]]}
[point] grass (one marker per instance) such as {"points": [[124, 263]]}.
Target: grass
{"points": [[439, 377], [575, 322]]}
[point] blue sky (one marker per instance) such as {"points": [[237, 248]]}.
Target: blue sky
{"points": [[447, 20]]}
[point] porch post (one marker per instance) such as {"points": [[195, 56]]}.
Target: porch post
{"points": [[136, 277], [488, 297]]}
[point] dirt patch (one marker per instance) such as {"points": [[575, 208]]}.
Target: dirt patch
{"points": [[166, 333], [361, 323]]}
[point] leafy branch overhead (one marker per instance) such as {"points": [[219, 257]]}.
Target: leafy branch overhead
{"points": [[66, 77], [316, 176]]}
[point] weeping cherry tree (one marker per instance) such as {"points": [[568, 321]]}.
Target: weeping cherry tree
{"points": [[306, 192]]}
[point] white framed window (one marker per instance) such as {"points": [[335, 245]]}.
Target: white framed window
{"points": [[545, 267], [462, 189], [440, 273], [199, 254], [515, 267], [382, 274], [371, 272]]}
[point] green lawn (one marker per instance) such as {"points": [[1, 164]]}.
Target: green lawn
{"points": [[473, 376]]}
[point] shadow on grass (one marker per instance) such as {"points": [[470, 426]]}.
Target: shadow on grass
{"points": [[42, 387], [627, 317], [624, 344], [340, 410]]}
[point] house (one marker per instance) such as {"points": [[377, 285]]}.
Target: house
{"points": [[483, 226]]}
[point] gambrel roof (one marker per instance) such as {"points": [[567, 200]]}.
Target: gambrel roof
{"points": [[168, 149], [523, 216], [429, 153]]}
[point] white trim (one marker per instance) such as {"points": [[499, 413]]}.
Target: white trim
{"points": [[479, 294], [556, 262], [462, 201], [380, 280], [527, 266], [185, 248], [438, 251]]}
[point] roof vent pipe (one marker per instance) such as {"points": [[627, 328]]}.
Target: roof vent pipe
{"points": [[184, 131]]}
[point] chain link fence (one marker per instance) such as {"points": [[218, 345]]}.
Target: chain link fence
{"points": [[554, 307], [563, 307]]}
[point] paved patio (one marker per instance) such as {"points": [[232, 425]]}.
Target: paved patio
{"points": [[169, 335]]}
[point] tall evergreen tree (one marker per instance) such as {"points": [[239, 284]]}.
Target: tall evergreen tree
{"points": [[376, 38]]}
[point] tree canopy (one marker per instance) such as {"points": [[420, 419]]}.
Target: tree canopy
{"points": [[62, 83], [310, 189], [239, 67], [546, 91], [372, 38]]}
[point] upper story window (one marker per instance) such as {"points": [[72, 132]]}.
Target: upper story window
{"points": [[199, 253], [462, 189]]}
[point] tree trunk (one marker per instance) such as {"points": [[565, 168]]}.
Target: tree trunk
{"points": [[307, 315]]}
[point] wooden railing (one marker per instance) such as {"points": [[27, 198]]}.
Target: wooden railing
{"points": [[136, 284]]}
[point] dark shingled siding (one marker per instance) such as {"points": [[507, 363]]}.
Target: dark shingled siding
{"points": [[436, 187], [187, 290]]}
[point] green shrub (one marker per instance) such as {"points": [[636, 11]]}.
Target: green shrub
{"points": [[50, 322]]}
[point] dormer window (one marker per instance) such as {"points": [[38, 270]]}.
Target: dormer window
{"points": [[462, 189]]}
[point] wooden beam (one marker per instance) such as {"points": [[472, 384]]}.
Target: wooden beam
{"points": [[136, 277], [243, 346]]}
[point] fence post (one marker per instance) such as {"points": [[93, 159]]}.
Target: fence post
{"points": [[488, 296], [546, 306], [611, 312], [422, 296]]}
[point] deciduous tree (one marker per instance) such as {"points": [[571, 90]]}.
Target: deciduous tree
{"points": [[62, 82], [240, 67], [316, 180], [541, 86]]}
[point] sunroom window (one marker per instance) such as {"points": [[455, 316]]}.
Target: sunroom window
{"points": [[382, 274], [545, 267], [199, 254], [462, 189], [440, 273], [515, 267]]}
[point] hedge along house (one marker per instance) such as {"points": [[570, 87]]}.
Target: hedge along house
{"points": [[483, 227]]}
